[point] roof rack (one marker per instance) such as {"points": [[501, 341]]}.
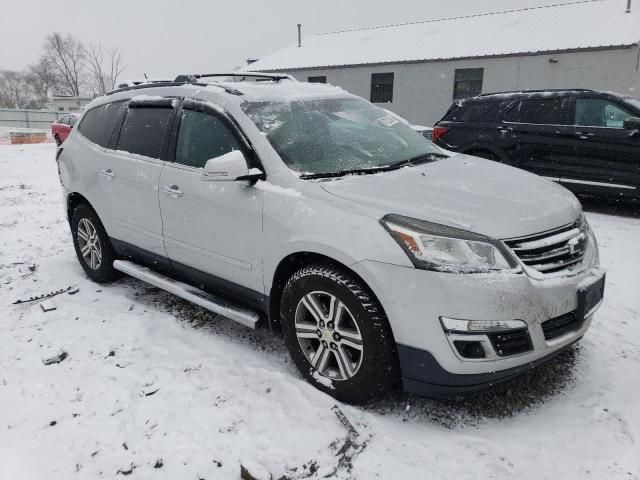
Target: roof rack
{"points": [[274, 77], [541, 90]]}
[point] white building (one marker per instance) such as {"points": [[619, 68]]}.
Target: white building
{"points": [[417, 69], [67, 103]]}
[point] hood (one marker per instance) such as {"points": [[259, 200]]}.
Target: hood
{"points": [[465, 192]]}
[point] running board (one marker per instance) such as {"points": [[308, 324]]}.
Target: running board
{"points": [[243, 316]]}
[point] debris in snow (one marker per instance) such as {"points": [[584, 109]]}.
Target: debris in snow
{"points": [[53, 423], [254, 471], [352, 432], [57, 359], [217, 463], [159, 463], [48, 306], [125, 446], [43, 296], [73, 291], [127, 471], [148, 394]]}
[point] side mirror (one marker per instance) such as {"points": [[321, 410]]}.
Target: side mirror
{"points": [[230, 167], [631, 123]]}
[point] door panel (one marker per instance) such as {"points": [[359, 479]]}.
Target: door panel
{"points": [[131, 184], [214, 227], [605, 153]]}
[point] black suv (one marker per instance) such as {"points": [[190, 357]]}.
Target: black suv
{"points": [[587, 140]]}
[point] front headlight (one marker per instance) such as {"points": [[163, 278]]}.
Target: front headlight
{"points": [[432, 246]]}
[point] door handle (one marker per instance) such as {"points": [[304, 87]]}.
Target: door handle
{"points": [[503, 129], [172, 190], [584, 135], [107, 173]]}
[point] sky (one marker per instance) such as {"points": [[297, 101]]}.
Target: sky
{"points": [[163, 38]]}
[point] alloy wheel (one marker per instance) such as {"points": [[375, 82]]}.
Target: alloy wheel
{"points": [[328, 335], [89, 244]]}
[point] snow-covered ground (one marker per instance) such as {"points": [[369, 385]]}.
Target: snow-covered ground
{"points": [[149, 377]]}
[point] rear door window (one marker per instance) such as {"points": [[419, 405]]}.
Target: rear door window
{"points": [[600, 112], [143, 130], [202, 137], [98, 124], [544, 111], [72, 120]]}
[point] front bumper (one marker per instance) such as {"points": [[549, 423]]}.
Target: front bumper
{"points": [[414, 300]]}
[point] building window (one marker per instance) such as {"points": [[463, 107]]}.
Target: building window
{"points": [[318, 79], [467, 83], [382, 87]]}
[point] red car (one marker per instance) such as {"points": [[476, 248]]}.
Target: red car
{"points": [[61, 128]]}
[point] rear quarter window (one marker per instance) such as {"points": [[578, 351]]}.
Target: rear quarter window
{"points": [[98, 124], [473, 112]]}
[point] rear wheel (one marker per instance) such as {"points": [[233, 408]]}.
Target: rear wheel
{"points": [[337, 334], [92, 245]]}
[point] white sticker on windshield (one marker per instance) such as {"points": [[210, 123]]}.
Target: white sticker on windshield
{"points": [[388, 120]]}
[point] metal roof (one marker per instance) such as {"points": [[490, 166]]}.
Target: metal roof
{"points": [[578, 25]]}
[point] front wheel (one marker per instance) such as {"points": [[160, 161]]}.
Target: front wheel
{"points": [[338, 335], [92, 245]]}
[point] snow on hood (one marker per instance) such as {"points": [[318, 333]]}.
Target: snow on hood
{"points": [[465, 192]]}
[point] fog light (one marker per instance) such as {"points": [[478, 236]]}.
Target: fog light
{"points": [[469, 349], [453, 325]]}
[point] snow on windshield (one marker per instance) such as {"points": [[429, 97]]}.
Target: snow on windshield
{"points": [[335, 134]]}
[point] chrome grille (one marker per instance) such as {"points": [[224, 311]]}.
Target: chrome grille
{"points": [[554, 250]]}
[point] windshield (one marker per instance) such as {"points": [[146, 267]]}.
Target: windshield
{"points": [[321, 136]]}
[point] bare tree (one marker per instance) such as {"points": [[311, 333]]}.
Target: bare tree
{"points": [[14, 90], [67, 56], [105, 66], [43, 81]]}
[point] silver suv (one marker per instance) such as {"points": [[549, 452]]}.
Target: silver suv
{"points": [[382, 259]]}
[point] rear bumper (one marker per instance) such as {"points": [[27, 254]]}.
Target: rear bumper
{"points": [[423, 375]]}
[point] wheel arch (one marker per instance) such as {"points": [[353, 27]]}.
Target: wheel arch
{"points": [[73, 200], [293, 262], [497, 151]]}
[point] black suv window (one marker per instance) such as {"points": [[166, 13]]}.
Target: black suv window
{"points": [[202, 137], [600, 112], [543, 111], [98, 123], [143, 130], [484, 111]]}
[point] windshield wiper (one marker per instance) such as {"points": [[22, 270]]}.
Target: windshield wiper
{"points": [[342, 173], [427, 157], [423, 158]]}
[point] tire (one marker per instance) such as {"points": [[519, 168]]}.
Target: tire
{"points": [[97, 262], [357, 361], [57, 139]]}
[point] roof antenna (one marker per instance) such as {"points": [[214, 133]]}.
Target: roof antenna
{"points": [[145, 76], [300, 34], [628, 6]]}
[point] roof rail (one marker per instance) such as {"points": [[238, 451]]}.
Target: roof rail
{"points": [[149, 84], [275, 77], [541, 90]]}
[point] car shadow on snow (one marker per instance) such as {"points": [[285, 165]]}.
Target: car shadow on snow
{"points": [[520, 396]]}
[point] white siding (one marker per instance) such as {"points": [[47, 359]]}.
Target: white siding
{"points": [[424, 91]]}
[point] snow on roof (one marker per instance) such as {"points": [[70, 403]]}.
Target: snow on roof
{"points": [[284, 90], [577, 25]]}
